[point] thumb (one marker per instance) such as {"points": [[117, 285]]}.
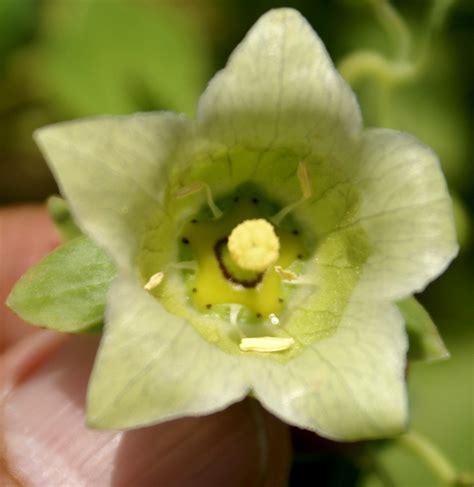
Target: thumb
{"points": [[46, 442], [26, 235]]}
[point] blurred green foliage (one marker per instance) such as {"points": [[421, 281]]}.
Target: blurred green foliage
{"points": [[63, 59], [17, 21], [98, 57]]}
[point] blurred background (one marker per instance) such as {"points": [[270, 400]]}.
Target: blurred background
{"points": [[63, 59]]}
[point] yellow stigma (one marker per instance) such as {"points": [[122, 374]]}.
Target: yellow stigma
{"points": [[253, 245]]}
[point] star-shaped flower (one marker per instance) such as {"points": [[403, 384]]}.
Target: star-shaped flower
{"points": [[260, 248]]}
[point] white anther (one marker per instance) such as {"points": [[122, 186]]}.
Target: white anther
{"points": [[155, 280], [266, 344], [286, 274]]}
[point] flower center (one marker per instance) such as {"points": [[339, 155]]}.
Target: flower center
{"points": [[238, 259]]}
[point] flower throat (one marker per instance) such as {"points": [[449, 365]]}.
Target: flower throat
{"points": [[240, 257]]}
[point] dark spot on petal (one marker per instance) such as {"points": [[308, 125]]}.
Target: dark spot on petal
{"points": [[208, 306], [259, 315], [281, 300], [185, 240], [295, 232], [194, 220], [194, 290], [300, 256], [255, 201]]}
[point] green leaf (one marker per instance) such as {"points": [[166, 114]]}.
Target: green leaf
{"points": [[62, 218], [17, 22], [425, 341], [66, 291]]}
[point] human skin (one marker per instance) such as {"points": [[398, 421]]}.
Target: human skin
{"points": [[44, 375]]}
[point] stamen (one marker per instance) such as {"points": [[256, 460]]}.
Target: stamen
{"points": [[301, 281], [286, 274], [234, 313], [154, 281], [266, 344], [194, 188], [217, 213], [304, 179], [185, 264], [189, 190]]}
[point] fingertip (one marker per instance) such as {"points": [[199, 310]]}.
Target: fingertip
{"points": [[48, 444], [26, 235]]}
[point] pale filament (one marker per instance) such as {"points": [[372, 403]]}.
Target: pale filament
{"points": [[194, 188], [304, 180]]}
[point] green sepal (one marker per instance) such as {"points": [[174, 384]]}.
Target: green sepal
{"points": [[66, 291], [63, 220], [93, 330], [424, 338]]}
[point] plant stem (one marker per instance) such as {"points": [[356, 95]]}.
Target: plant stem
{"points": [[436, 18], [394, 25], [366, 63], [437, 462]]}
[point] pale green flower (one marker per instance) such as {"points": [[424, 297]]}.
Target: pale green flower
{"points": [[278, 126]]}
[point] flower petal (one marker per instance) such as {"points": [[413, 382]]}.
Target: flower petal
{"points": [[280, 89], [153, 366], [112, 170], [349, 386], [407, 213]]}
